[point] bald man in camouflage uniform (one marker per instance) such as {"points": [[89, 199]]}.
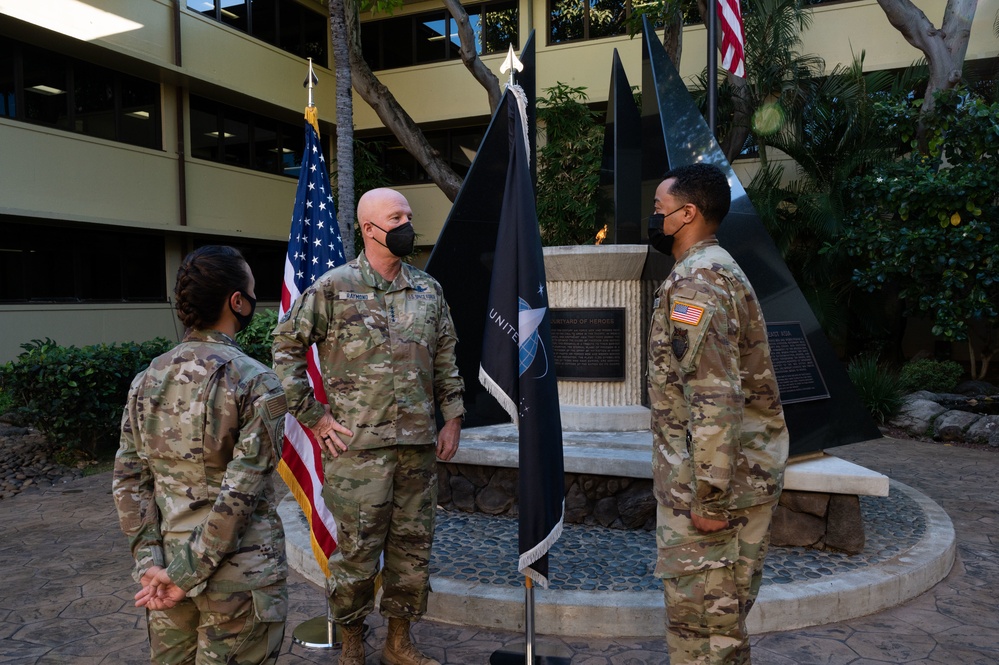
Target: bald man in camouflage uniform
{"points": [[719, 439], [386, 352], [193, 484]]}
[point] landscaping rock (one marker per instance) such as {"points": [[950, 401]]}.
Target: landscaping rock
{"points": [[976, 389], [917, 415], [951, 425], [813, 503], [28, 461], [791, 529], [462, 493], [985, 430], [845, 524], [921, 394], [637, 505]]}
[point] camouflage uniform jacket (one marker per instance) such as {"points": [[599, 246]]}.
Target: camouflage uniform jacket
{"points": [[720, 442], [386, 350], [193, 480]]}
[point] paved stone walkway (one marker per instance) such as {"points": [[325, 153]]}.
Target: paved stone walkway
{"points": [[65, 589]]}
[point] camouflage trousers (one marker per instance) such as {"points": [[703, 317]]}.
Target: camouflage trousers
{"points": [[238, 628], [710, 583], [383, 501]]}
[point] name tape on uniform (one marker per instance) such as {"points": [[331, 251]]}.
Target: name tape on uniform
{"points": [[350, 295]]}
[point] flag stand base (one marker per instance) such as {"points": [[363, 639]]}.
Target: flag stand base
{"points": [[319, 633], [526, 655], [519, 657]]}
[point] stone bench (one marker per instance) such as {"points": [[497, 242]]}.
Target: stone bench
{"points": [[609, 482]]}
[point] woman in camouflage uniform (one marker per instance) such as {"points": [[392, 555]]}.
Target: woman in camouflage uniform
{"points": [[193, 479]]}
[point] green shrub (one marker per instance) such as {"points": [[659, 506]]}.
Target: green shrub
{"points": [[6, 402], [877, 385], [937, 376], [75, 395], [256, 340]]}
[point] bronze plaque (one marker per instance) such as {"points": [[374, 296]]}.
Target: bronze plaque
{"points": [[798, 375], [588, 343]]}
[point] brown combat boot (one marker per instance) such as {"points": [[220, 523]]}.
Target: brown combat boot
{"points": [[352, 644], [399, 649]]}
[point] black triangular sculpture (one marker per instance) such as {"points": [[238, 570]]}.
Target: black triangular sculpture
{"points": [[622, 159], [462, 258], [823, 410]]}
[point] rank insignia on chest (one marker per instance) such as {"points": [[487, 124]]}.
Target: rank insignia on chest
{"points": [[686, 313], [679, 343]]}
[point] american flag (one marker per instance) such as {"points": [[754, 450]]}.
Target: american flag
{"points": [[685, 313], [733, 37], [314, 246]]}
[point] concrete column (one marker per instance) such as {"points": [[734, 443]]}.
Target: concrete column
{"points": [[602, 276]]}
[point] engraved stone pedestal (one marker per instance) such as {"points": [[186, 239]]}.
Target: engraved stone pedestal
{"points": [[602, 280]]}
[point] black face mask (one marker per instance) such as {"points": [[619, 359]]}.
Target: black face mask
{"points": [[244, 319], [400, 240], [659, 240]]}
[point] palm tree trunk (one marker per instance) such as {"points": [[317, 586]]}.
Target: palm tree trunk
{"points": [[344, 127]]}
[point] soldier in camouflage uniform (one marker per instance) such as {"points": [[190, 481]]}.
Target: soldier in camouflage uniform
{"points": [[719, 439], [386, 351], [193, 479]]}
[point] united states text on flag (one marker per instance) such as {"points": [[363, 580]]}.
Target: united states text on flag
{"points": [[733, 37], [314, 246], [517, 366]]}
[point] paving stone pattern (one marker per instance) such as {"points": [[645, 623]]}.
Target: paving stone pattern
{"points": [[594, 558], [65, 587]]}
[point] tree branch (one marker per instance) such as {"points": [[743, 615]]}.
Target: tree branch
{"points": [[393, 116], [470, 57]]}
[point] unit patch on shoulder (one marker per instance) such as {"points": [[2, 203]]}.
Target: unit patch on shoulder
{"points": [[679, 343], [686, 313]]}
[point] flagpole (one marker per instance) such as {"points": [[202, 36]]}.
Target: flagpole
{"points": [[712, 64], [318, 632], [519, 214], [529, 619], [528, 655]]}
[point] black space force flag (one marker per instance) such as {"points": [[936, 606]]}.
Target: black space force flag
{"points": [[517, 366]]}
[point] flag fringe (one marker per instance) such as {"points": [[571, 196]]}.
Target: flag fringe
{"points": [[303, 501], [521, 97], [539, 550], [499, 395]]}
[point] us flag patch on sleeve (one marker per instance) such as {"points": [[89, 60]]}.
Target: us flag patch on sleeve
{"points": [[686, 313]]}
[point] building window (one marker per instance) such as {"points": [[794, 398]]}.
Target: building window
{"points": [[283, 23], [571, 20], [266, 261], [417, 39], [226, 134], [50, 89], [456, 146], [8, 99], [48, 263]]}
